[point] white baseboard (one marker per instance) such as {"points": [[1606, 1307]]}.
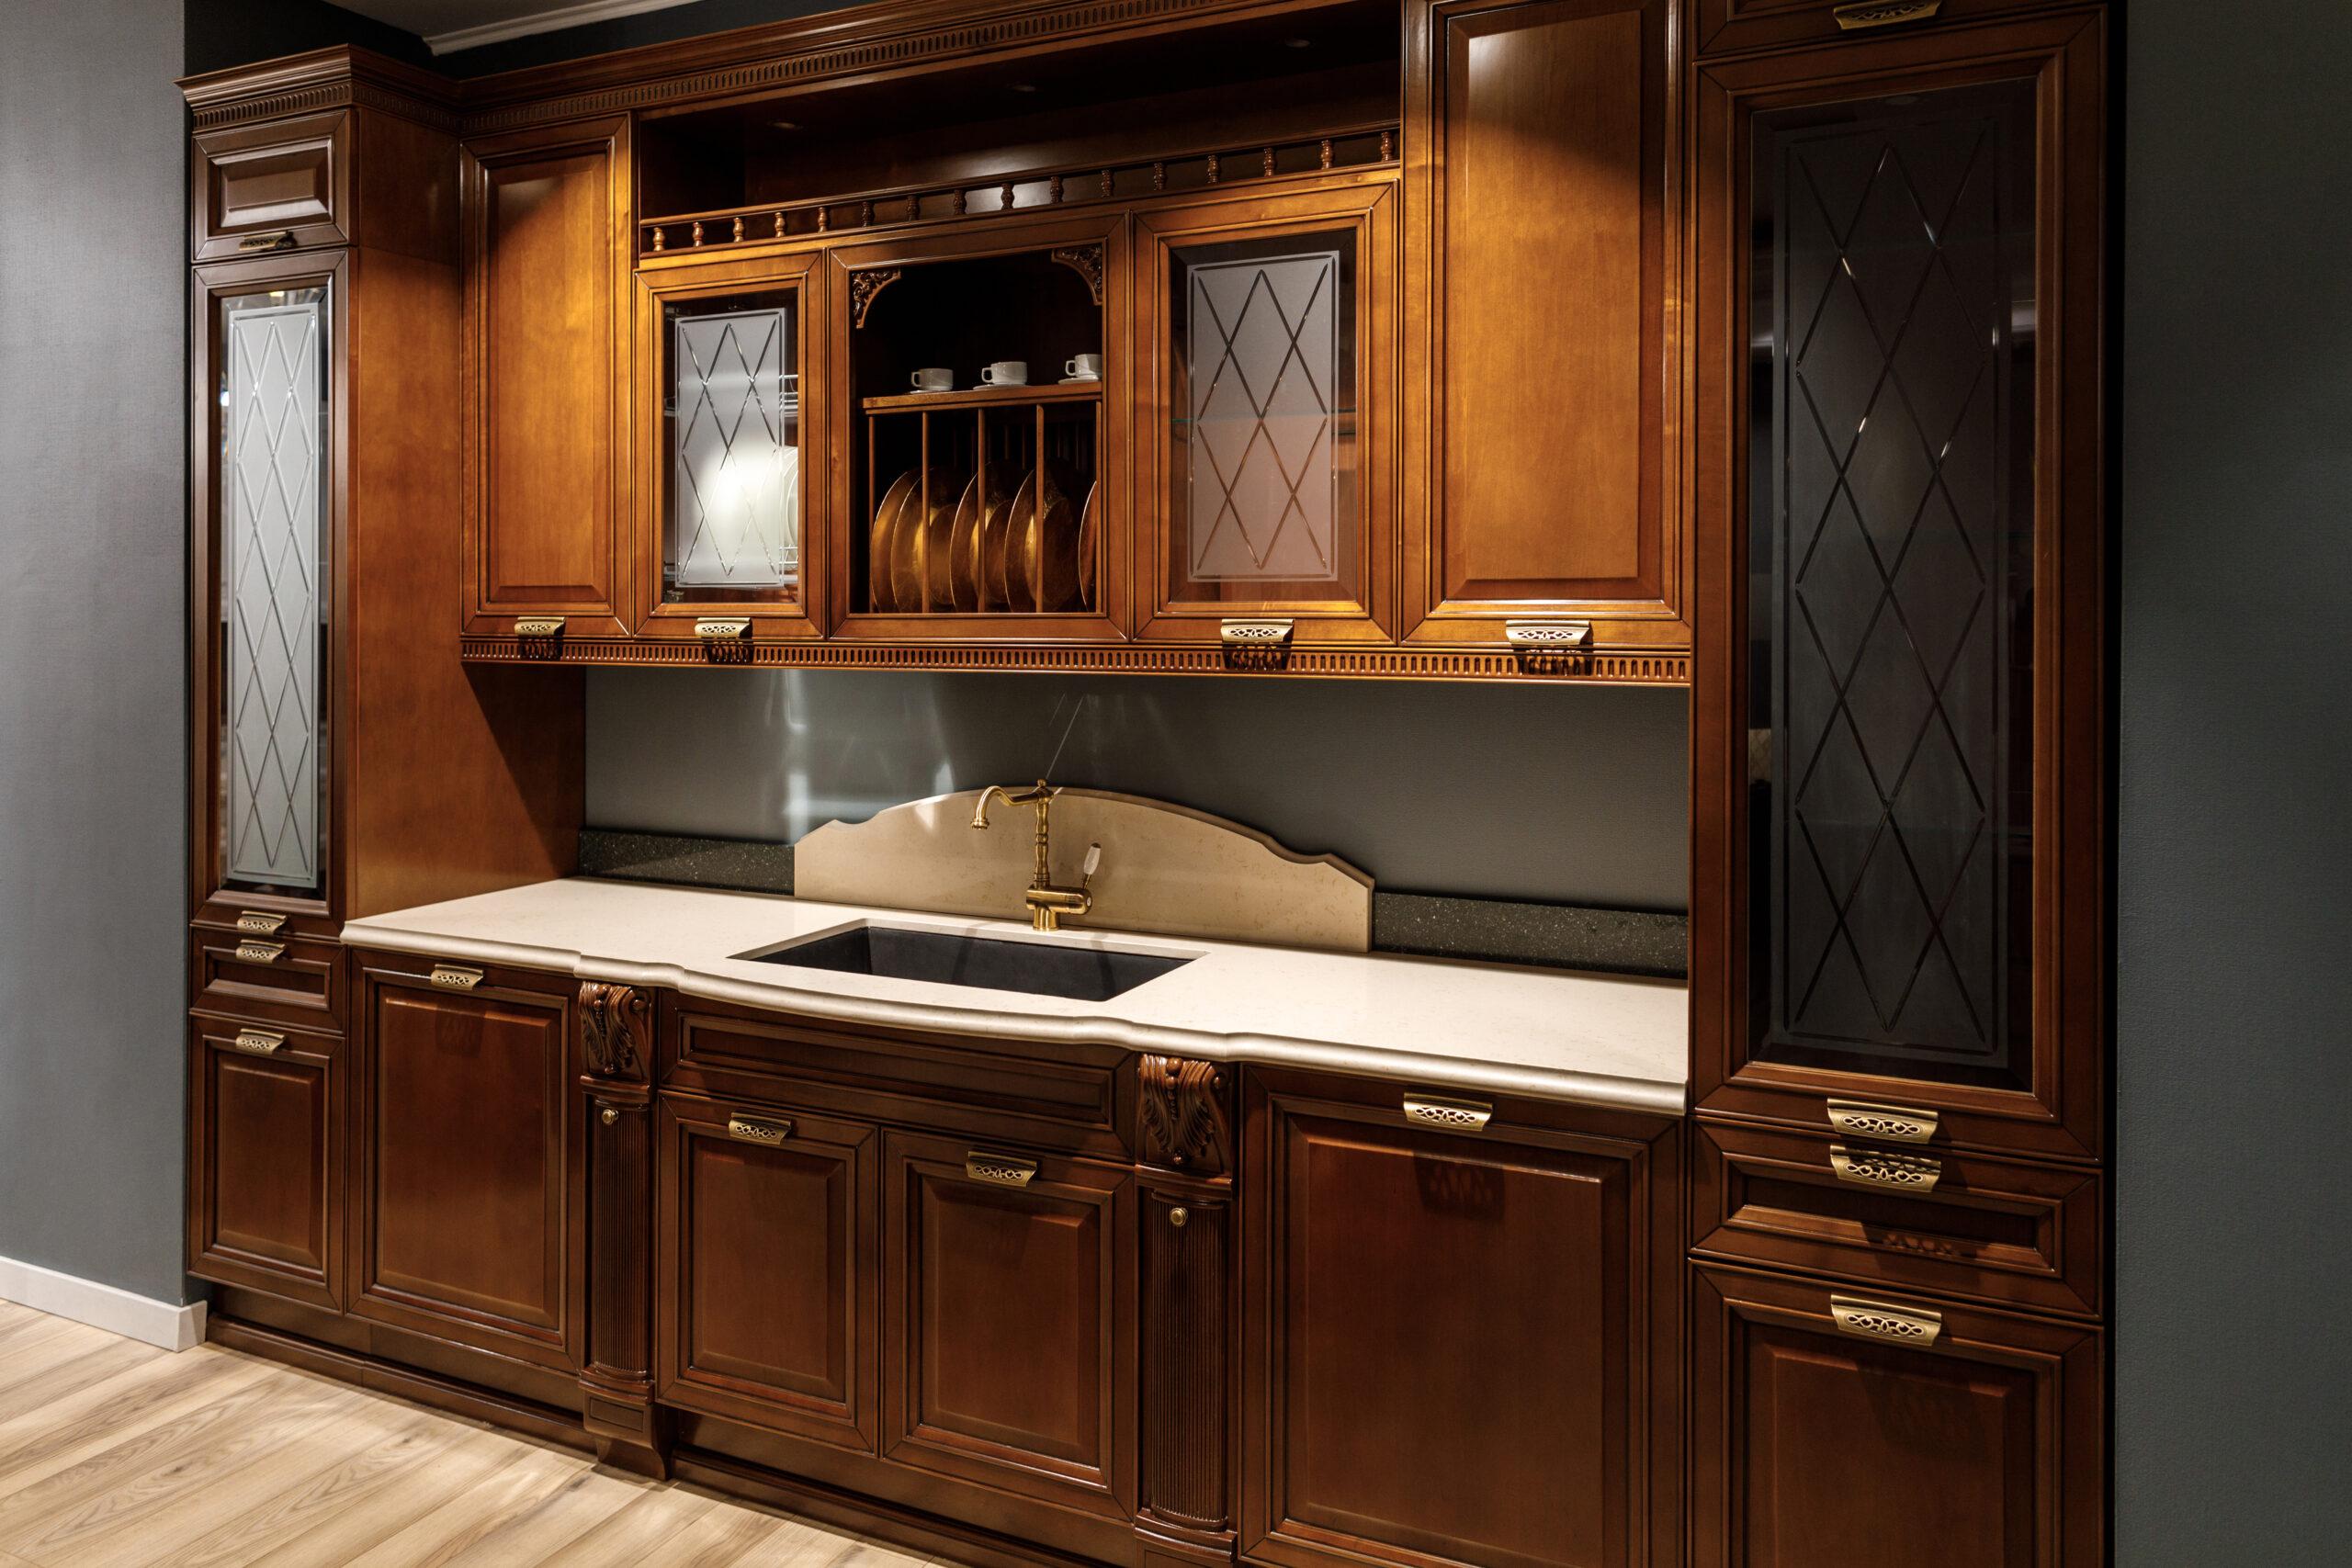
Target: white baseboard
{"points": [[142, 1318]]}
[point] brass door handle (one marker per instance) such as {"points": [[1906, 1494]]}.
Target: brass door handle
{"points": [[1881, 1167], [1453, 1115], [758, 1130], [1886, 1124], [455, 977], [275, 240], [1883, 1320], [257, 952], [259, 1041], [1000, 1170], [254, 922]]}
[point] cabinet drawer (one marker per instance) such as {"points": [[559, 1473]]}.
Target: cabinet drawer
{"points": [[266, 1159], [1058, 1096], [283, 185], [1919, 1219], [1723, 26], [763, 1284], [294, 980]]}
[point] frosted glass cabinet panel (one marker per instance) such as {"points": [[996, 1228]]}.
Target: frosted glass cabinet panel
{"points": [[1892, 570], [734, 416], [1262, 453], [273, 553]]}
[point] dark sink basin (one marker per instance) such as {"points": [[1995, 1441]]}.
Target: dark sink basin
{"points": [[1043, 969]]}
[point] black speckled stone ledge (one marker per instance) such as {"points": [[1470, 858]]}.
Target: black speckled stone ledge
{"points": [[741, 865], [1486, 930]]}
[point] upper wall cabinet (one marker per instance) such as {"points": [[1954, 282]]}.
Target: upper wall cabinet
{"points": [[547, 255], [277, 186], [1542, 411], [1898, 737], [1721, 26]]}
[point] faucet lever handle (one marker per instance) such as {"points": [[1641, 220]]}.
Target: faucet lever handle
{"points": [[1094, 863]]}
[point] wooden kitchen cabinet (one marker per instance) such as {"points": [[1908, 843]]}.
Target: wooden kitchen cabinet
{"points": [[547, 383], [1898, 926], [1541, 417], [266, 1159], [1009, 1320], [468, 1212], [283, 185], [766, 1263], [1461, 1334], [1833, 1426]]}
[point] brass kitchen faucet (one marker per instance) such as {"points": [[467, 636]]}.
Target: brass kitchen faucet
{"points": [[1047, 903]]}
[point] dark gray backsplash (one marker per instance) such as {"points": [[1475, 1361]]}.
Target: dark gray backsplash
{"points": [[1564, 794]]}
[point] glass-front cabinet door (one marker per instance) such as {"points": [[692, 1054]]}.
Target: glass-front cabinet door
{"points": [[1268, 325], [1905, 725], [724, 534], [266, 559]]}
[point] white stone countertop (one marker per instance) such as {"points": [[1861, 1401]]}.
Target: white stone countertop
{"points": [[1555, 1034]]}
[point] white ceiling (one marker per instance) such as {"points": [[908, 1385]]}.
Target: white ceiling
{"points": [[449, 25]]}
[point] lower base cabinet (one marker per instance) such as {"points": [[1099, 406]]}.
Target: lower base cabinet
{"points": [[1461, 1330], [266, 1159], [1830, 1425]]}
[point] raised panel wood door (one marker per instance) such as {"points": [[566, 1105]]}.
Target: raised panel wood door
{"points": [[1833, 1427], [1897, 740], [767, 1268], [1542, 395], [1009, 1353], [470, 1218], [548, 258], [265, 1160], [1447, 1348]]}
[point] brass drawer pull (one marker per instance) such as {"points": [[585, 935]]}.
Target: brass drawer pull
{"points": [[756, 1130], [1453, 1115], [257, 951], [254, 922], [1253, 634], [455, 977], [1879, 1167], [539, 626], [1887, 1123], [1877, 1320], [719, 631], [1000, 1170], [1179, 1216], [1884, 13], [276, 240], [1549, 637], [259, 1041]]}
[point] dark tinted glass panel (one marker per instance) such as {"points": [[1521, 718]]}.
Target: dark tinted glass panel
{"points": [[1891, 558]]}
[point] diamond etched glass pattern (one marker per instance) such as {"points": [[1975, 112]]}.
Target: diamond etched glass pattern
{"points": [[1897, 517], [1263, 349], [735, 477], [272, 484]]}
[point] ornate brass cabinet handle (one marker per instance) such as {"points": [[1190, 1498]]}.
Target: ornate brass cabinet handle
{"points": [[1879, 1167], [254, 922], [252, 951], [1453, 1115], [758, 1130], [455, 977], [1000, 1170], [1549, 637], [259, 1041], [1887, 1123], [1881, 1320], [275, 240], [1884, 13]]}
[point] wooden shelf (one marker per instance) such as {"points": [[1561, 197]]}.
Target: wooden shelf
{"points": [[984, 397]]}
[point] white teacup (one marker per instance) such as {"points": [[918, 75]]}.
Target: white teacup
{"points": [[1005, 373], [1086, 366], [937, 379]]}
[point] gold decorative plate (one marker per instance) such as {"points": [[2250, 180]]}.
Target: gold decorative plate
{"points": [[1089, 549], [878, 541], [976, 523], [927, 514], [1040, 545]]}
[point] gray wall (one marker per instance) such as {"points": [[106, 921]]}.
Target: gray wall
{"points": [[92, 893], [1567, 795], [2233, 1376]]}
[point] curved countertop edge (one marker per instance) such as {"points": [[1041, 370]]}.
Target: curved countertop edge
{"points": [[1647, 1096]]}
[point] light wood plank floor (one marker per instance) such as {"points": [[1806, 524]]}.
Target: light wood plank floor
{"points": [[117, 1455]]}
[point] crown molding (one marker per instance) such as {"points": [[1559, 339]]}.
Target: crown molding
{"points": [[574, 16]]}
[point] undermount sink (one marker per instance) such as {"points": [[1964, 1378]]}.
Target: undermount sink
{"points": [[1077, 971]]}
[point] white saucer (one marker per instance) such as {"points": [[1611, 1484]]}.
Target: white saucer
{"points": [[1079, 380]]}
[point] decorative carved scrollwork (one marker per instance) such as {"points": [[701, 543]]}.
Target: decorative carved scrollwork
{"points": [[865, 287], [1087, 262], [615, 1029], [1182, 1115]]}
